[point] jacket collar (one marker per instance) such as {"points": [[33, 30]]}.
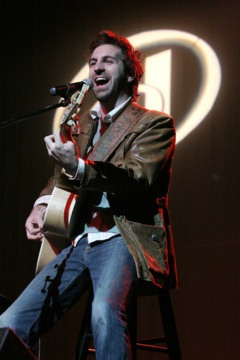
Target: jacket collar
{"points": [[96, 113]]}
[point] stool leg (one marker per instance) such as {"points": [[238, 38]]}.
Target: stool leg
{"points": [[85, 334], [169, 325], [132, 325]]}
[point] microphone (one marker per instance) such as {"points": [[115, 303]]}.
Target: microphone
{"points": [[68, 89]]}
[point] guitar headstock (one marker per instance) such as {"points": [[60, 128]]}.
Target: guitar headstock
{"points": [[70, 116]]}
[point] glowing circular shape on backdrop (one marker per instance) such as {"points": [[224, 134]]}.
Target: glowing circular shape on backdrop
{"points": [[210, 74]]}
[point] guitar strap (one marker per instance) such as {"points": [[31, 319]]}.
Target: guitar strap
{"points": [[115, 134]]}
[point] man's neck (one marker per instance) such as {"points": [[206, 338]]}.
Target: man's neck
{"points": [[109, 106]]}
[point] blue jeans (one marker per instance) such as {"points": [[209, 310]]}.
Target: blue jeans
{"points": [[109, 267]]}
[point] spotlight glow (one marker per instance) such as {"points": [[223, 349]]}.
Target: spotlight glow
{"points": [[158, 76]]}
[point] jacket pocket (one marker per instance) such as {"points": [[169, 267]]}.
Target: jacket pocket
{"points": [[150, 243]]}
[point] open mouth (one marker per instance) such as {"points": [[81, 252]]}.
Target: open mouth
{"points": [[101, 80]]}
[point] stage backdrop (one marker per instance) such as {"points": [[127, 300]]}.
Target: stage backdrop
{"points": [[195, 77]]}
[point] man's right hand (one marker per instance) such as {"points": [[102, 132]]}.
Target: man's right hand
{"points": [[34, 223]]}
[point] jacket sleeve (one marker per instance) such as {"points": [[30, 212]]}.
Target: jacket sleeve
{"points": [[49, 187]]}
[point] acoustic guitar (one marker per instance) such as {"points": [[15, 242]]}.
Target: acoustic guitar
{"points": [[64, 195]]}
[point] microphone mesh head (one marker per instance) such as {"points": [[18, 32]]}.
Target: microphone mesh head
{"points": [[88, 82]]}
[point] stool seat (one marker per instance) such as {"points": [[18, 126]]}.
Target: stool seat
{"points": [[167, 343]]}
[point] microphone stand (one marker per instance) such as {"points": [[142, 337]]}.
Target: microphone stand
{"points": [[65, 102]]}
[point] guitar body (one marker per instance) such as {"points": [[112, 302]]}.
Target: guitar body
{"points": [[64, 195], [55, 226]]}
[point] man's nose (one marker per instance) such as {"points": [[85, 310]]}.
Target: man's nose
{"points": [[98, 67]]}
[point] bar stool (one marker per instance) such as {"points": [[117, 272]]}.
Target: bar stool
{"points": [[167, 343]]}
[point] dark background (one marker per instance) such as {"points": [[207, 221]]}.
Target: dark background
{"points": [[43, 44]]}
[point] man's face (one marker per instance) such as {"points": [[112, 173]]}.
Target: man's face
{"points": [[107, 72]]}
